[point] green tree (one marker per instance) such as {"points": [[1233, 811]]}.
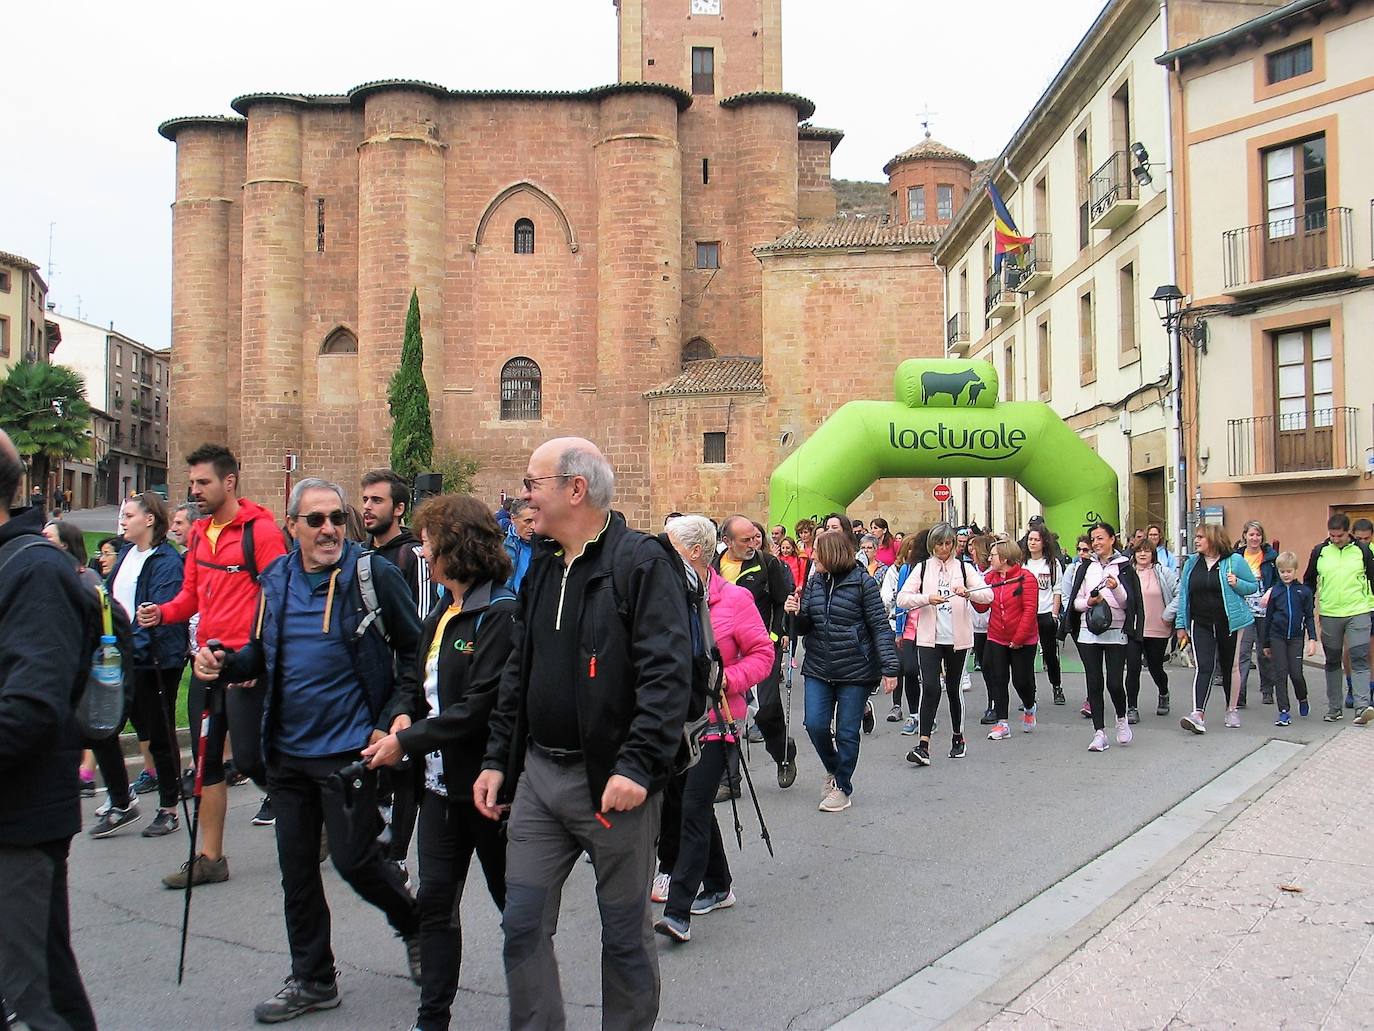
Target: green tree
{"points": [[458, 471], [44, 410], [412, 433]]}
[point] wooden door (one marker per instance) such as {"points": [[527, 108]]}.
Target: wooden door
{"points": [[1295, 228], [1305, 406]]}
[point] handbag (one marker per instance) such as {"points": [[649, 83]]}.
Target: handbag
{"points": [[1099, 617]]}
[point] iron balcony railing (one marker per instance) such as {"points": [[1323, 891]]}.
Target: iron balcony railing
{"points": [[956, 329], [1110, 184], [1312, 242], [1037, 259], [1311, 440], [997, 288]]}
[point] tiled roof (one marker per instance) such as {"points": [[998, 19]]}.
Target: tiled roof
{"points": [[805, 108], [715, 376], [170, 128], [927, 149], [847, 233], [807, 131], [15, 261]]}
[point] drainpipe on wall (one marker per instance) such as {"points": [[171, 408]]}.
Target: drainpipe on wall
{"points": [[1175, 337]]}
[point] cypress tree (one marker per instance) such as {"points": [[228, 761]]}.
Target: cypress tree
{"points": [[412, 433]]}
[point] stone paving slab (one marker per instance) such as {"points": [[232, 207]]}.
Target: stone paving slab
{"points": [[1269, 925]]}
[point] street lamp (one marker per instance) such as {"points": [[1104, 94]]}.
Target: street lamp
{"points": [[1169, 305]]}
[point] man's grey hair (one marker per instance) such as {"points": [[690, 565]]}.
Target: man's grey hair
{"points": [[191, 509], [940, 533], [693, 530], [293, 507], [868, 538], [517, 506], [727, 526], [592, 467]]}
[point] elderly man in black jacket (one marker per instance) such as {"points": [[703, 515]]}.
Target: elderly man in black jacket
{"points": [[46, 640], [589, 717]]}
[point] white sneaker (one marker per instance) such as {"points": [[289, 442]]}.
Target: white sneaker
{"points": [[965, 682], [108, 804], [659, 892], [1123, 730], [835, 802], [1099, 742], [1193, 723], [1364, 718], [1000, 731]]}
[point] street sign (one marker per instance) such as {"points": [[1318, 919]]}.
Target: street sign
{"points": [[942, 493]]}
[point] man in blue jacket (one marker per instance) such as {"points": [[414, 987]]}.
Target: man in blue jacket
{"points": [[335, 656], [45, 647], [519, 542]]}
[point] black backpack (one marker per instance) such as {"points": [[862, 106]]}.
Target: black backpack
{"points": [[707, 671]]}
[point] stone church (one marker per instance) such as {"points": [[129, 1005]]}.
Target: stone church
{"points": [[657, 264]]}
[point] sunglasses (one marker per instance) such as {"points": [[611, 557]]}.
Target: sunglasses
{"points": [[316, 519]]}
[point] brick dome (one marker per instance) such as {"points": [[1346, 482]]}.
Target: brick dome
{"points": [[927, 150]]}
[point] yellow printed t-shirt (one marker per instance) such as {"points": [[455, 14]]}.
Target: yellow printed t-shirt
{"points": [[729, 567]]}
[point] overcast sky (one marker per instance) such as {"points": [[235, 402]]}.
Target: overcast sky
{"points": [[83, 94]]}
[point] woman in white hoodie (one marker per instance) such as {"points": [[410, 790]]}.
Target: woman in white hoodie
{"points": [[950, 590]]}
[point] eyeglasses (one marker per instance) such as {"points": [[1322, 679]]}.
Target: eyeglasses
{"points": [[530, 481], [315, 520]]}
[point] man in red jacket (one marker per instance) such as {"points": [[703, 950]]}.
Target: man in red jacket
{"points": [[221, 583]]}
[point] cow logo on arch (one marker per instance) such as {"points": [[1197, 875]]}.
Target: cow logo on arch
{"points": [[986, 444]]}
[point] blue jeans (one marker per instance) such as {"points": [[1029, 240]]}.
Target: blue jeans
{"points": [[843, 703]]}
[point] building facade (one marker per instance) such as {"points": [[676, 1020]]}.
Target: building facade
{"points": [[129, 385], [24, 332], [1277, 264]]}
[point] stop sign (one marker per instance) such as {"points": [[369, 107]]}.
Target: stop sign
{"points": [[942, 493]]}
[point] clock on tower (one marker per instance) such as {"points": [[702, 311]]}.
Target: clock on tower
{"points": [[706, 6]]}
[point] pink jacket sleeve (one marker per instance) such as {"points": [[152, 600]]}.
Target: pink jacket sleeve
{"points": [[755, 660]]}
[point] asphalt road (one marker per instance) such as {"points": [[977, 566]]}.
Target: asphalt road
{"points": [[852, 903]]}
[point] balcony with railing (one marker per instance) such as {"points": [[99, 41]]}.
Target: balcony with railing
{"points": [[1113, 194], [1308, 248], [999, 294], [1310, 443], [956, 334], [1034, 265]]}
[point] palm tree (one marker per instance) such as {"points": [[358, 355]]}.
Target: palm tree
{"points": [[44, 410]]}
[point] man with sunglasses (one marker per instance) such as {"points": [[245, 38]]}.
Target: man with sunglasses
{"points": [[220, 581], [334, 663]]}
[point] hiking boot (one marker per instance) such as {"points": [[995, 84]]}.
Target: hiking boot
{"points": [[958, 748], [265, 816], [1365, 717], [659, 891], [163, 823], [1232, 719], [787, 769], [920, 755], [1099, 742], [910, 727], [412, 944], [1000, 731], [1123, 730], [1028, 719], [115, 819], [1193, 723], [146, 782], [989, 717], [835, 802], [1162, 709], [295, 999], [1132, 715], [671, 927], [894, 715], [710, 901], [868, 717], [726, 792], [207, 871]]}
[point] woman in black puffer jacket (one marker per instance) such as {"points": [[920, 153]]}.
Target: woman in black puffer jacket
{"points": [[849, 650]]}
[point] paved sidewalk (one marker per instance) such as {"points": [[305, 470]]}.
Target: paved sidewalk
{"points": [[1269, 925]]}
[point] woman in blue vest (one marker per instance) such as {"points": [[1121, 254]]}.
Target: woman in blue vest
{"points": [[1211, 610]]}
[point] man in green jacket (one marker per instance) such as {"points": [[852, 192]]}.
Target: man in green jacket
{"points": [[1340, 573]]}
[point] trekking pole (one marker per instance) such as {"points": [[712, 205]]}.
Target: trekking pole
{"points": [[753, 795], [727, 730], [212, 697]]}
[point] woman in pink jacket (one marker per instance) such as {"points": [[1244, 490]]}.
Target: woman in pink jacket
{"points": [[950, 590], [700, 880]]}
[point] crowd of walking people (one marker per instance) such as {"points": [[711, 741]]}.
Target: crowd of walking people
{"points": [[538, 682]]}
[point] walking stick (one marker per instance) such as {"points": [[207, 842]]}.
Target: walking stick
{"points": [[212, 697]]}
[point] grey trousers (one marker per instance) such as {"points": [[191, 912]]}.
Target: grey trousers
{"points": [[551, 824], [1248, 642], [1352, 631]]}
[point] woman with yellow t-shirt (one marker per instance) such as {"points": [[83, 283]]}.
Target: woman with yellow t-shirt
{"points": [[462, 652]]}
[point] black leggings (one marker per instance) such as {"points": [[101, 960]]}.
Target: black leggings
{"points": [[908, 676], [239, 715], [1049, 646], [150, 722], [1149, 652], [1001, 664], [935, 660], [1104, 666], [1214, 649]]}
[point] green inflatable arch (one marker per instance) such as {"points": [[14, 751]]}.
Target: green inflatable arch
{"points": [[946, 421]]}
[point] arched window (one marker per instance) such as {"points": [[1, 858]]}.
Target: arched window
{"points": [[524, 236], [520, 389], [697, 350], [341, 341]]}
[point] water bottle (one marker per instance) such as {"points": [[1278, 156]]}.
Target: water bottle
{"points": [[106, 686]]}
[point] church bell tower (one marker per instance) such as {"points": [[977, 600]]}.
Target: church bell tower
{"points": [[713, 47]]}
